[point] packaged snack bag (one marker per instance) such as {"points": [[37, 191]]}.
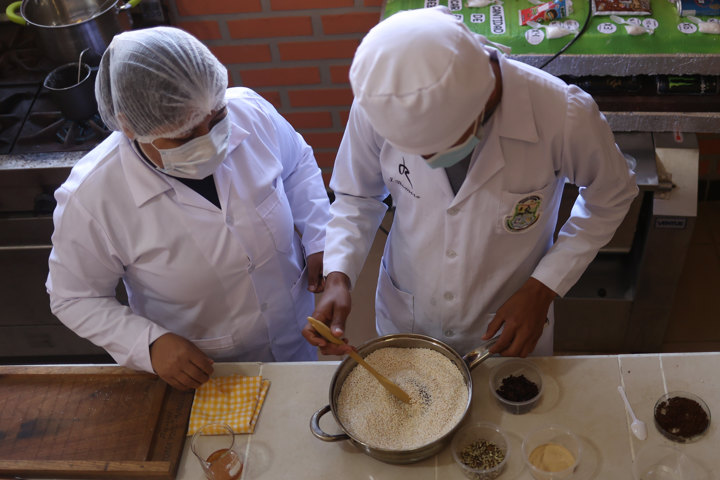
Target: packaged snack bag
{"points": [[547, 12]]}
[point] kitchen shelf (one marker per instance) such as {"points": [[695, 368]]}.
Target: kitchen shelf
{"points": [[667, 52]]}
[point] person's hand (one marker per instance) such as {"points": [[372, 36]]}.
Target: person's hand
{"points": [[524, 315], [179, 362], [316, 282], [332, 309]]}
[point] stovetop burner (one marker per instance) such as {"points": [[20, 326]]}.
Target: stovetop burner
{"points": [[30, 120], [51, 131]]}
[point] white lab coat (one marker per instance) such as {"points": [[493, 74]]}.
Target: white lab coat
{"points": [[231, 280], [451, 261]]}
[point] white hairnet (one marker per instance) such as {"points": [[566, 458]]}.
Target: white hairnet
{"points": [[158, 82], [422, 77]]}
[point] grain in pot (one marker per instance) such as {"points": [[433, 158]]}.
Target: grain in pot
{"points": [[438, 397]]}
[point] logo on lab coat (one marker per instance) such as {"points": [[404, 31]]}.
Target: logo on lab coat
{"points": [[405, 172], [524, 215]]}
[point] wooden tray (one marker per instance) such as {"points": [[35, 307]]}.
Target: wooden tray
{"points": [[90, 422]]}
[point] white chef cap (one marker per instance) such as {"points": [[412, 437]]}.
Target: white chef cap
{"points": [[158, 82], [422, 77]]}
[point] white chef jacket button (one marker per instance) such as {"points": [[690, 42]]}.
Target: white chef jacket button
{"points": [[453, 211], [263, 307], [448, 296], [450, 253], [449, 333]]}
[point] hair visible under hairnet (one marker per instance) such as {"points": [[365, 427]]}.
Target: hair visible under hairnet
{"points": [[158, 82]]}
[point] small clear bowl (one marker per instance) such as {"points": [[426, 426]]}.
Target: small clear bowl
{"points": [[675, 434], [666, 462], [516, 368], [557, 440], [477, 432]]}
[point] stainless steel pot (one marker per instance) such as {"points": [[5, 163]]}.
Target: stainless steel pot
{"points": [[73, 90], [464, 364], [67, 27]]}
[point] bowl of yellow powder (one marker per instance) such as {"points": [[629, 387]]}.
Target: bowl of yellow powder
{"points": [[552, 452]]}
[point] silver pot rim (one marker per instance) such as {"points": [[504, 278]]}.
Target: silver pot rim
{"points": [[407, 340], [110, 6]]}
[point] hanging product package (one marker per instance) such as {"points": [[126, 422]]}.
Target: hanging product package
{"points": [[688, 8], [618, 7], [546, 12]]}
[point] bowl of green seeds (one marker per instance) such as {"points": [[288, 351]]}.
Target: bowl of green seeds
{"points": [[481, 450]]}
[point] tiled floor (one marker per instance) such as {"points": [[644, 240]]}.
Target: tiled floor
{"points": [[695, 317]]}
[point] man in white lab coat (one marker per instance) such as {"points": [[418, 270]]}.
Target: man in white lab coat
{"points": [[204, 201], [474, 150]]}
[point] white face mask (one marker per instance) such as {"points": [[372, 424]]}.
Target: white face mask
{"points": [[455, 154], [199, 157]]}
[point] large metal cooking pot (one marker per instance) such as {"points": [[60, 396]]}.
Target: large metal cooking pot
{"points": [[67, 27], [464, 364]]}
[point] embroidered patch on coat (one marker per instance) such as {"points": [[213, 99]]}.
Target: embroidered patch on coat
{"points": [[525, 213]]}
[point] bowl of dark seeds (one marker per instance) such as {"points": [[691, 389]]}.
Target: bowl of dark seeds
{"points": [[516, 385], [481, 450], [682, 416]]}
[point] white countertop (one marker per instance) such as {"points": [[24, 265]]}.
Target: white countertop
{"points": [[580, 392]]}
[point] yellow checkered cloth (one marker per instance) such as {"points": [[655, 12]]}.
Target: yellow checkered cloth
{"points": [[235, 400]]}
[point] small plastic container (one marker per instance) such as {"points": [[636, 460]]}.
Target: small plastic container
{"points": [[478, 432], [516, 368], [665, 462], [680, 428], [554, 440]]}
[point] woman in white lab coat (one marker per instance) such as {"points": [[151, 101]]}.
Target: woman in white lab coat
{"points": [[204, 201], [470, 250]]}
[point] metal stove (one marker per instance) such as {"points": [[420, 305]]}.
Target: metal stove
{"points": [[32, 125], [31, 120]]}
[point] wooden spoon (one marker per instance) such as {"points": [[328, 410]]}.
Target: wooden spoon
{"points": [[391, 387]]}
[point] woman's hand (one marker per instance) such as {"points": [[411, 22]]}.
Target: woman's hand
{"points": [[179, 362]]}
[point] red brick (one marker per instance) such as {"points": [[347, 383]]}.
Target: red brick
{"points": [[325, 159], [344, 115], [273, 97], [326, 176], [314, 98], [270, 27], [281, 76], [308, 4], [318, 50], [242, 53], [323, 140], [349, 23], [202, 30], [211, 7], [309, 119], [340, 73]]}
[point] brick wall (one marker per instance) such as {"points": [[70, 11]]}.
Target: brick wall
{"points": [[295, 53]]}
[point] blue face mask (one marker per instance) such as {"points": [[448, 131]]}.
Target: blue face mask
{"points": [[455, 154]]}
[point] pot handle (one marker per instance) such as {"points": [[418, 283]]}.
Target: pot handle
{"points": [[130, 4], [11, 12], [318, 432], [478, 355]]}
